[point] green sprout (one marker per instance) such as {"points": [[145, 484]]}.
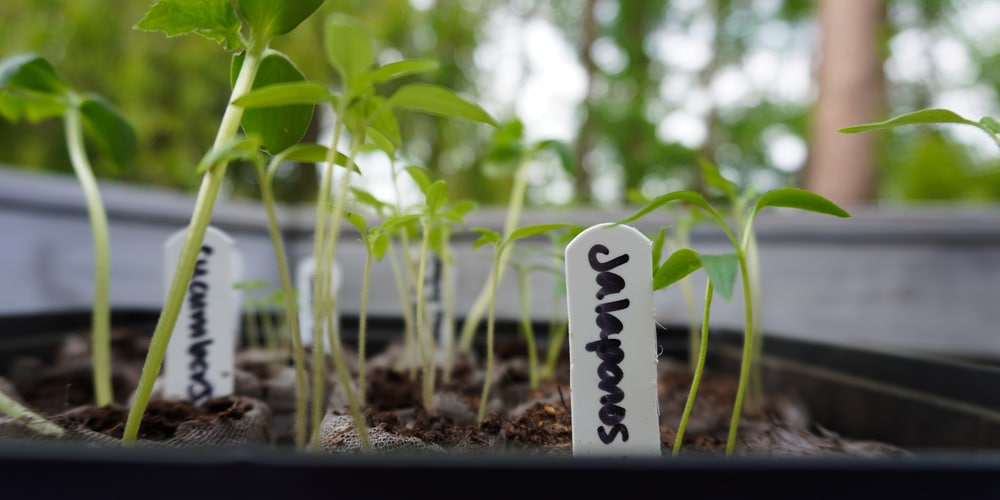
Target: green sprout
{"points": [[31, 89], [501, 247], [781, 197]]}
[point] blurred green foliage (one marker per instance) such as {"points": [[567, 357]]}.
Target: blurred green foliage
{"points": [[173, 92]]}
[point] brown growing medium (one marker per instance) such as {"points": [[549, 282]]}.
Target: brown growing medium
{"points": [[520, 420]]}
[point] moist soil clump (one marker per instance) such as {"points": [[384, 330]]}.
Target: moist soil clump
{"points": [[520, 419]]}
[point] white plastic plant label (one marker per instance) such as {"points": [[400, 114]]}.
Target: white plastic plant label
{"points": [[200, 358], [305, 278], [612, 342]]}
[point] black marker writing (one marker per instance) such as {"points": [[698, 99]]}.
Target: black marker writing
{"points": [[199, 388], [609, 349]]}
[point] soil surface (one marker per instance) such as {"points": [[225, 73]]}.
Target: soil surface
{"points": [[520, 419]]}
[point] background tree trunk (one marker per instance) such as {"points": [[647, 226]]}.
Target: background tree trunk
{"points": [[851, 92]]}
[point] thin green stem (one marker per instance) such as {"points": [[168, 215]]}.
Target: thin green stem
{"points": [[748, 349], [101, 312], [363, 324], [513, 217], [344, 377], [32, 420], [698, 371], [200, 218], [291, 308], [529, 330], [425, 339], [488, 380]]}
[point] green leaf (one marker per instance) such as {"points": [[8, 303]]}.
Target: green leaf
{"points": [[284, 94], [399, 69], [31, 73], [990, 124], [33, 107], [487, 236], [278, 127], [349, 46], [459, 210], [713, 178], [358, 222], [384, 123], [691, 197], [276, 17], [110, 130], [366, 198], [380, 244], [677, 266], [309, 153], [237, 148], [419, 176], [800, 199], [212, 19], [925, 116], [534, 230], [721, 270], [400, 221], [658, 241], [436, 196], [437, 100]]}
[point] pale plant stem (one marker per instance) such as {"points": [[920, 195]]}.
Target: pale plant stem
{"points": [[291, 310], [101, 313], [488, 379], [748, 341], [401, 289], [200, 219], [511, 222], [32, 420], [698, 370], [448, 298], [424, 335], [363, 324]]}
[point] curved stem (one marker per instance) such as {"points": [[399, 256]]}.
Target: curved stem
{"points": [[30, 419], [291, 309], [101, 312], [748, 349], [363, 324], [698, 371], [425, 339], [200, 218]]}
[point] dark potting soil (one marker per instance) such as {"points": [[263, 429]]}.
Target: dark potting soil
{"points": [[520, 419]]}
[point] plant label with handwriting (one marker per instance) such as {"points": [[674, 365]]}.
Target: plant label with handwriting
{"points": [[200, 358], [305, 277], [612, 340]]}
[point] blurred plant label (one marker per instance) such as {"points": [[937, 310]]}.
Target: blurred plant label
{"points": [[305, 276], [200, 358], [437, 299], [612, 341]]}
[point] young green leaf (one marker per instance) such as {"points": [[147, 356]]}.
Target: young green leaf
{"points": [[691, 197], [437, 100], [31, 73], [357, 221], [721, 270], [278, 127], [379, 243], [561, 149], [399, 69], [238, 148], [110, 130], [534, 230], [713, 178], [436, 196], [419, 176], [925, 116], [487, 236], [276, 17], [459, 209], [658, 242], [990, 124], [284, 94], [678, 265], [212, 19], [800, 199], [348, 45]]}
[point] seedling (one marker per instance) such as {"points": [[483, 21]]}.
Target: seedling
{"points": [[782, 197], [501, 246], [987, 124], [247, 27], [508, 147], [32, 420], [31, 89]]}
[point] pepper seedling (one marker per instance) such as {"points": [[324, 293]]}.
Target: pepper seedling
{"points": [[30, 88], [782, 197]]}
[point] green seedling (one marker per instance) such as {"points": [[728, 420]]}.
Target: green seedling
{"points": [[251, 310], [721, 270], [501, 246], [31, 89], [245, 27], [782, 197], [932, 116], [509, 148]]}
